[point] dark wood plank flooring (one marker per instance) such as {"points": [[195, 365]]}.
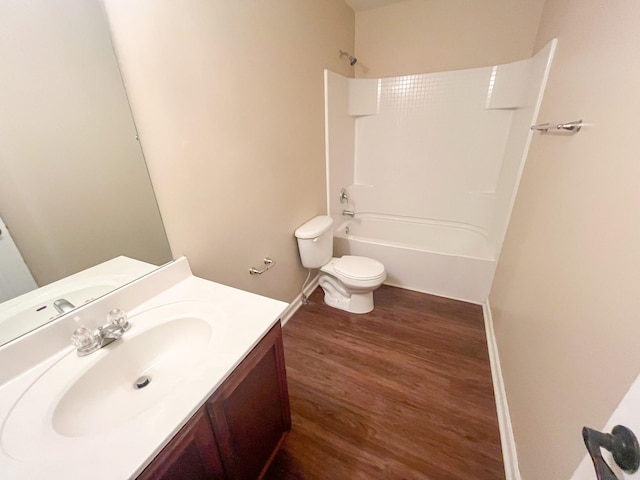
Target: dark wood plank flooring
{"points": [[403, 392]]}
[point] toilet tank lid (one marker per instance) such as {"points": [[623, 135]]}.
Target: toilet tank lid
{"points": [[314, 227]]}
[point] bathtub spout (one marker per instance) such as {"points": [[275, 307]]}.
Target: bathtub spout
{"points": [[348, 213]]}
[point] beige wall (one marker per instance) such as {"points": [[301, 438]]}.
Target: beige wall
{"points": [[74, 188], [566, 298], [228, 99], [420, 36]]}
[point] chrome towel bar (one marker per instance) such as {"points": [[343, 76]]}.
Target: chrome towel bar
{"points": [[268, 263], [573, 127]]}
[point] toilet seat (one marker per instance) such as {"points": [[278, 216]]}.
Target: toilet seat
{"points": [[358, 268], [356, 272]]}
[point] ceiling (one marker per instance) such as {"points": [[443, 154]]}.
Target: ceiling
{"points": [[359, 5]]}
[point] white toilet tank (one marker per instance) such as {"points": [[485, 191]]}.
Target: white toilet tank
{"points": [[315, 241]]}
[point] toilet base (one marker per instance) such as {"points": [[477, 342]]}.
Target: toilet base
{"points": [[357, 303], [336, 296]]}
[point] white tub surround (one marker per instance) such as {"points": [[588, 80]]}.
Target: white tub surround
{"points": [[38, 440], [446, 149]]}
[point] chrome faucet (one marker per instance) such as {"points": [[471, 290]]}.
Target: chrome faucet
{"points": [[62, 305], [348, 213], [87, 341]]}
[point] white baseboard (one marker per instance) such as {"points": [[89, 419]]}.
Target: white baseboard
{"points": [[509, 454], [297, 302]]}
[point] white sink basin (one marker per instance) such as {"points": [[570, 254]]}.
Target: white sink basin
{"points": [[81, 399], [161, 353]]}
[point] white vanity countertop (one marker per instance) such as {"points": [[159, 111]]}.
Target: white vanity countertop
{"points": [[124, 449]]}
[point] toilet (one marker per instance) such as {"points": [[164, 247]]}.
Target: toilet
{"points": [[349, 281]]}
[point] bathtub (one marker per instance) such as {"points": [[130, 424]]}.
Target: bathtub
{"points": [[449, 260]]}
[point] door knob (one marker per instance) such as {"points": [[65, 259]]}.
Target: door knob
{"points": [[622, 444]]}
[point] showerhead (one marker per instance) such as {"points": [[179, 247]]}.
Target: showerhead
{"points": [[352, 60]]}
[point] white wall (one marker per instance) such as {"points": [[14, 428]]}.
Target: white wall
{"points": [[418, 36], [228, 98], [565, 297]]}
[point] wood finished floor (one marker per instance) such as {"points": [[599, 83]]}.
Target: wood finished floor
{"points": [[403, 392]]}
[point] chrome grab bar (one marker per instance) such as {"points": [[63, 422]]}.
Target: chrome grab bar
{"points": [[268, 264], [576, 125], [541, 127], [573, 127]]}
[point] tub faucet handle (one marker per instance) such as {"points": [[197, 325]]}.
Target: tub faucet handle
{"points": [[344, 198]]}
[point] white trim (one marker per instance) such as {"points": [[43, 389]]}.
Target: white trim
{"points": [[297, 302], [326, 143], [509, 453]]}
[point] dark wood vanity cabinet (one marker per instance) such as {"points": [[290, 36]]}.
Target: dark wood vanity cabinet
{"points": [[238, 431], [250, 411], [191, 454]]}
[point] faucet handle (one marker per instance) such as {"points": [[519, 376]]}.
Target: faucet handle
{"points": [[119, 318], [344, 197], [84, 339]]}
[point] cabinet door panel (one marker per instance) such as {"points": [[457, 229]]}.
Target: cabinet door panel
{"points": [[250, 412], [191, 455]]}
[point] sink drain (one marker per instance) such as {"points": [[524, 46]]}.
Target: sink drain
{"points": [[141, 382]]}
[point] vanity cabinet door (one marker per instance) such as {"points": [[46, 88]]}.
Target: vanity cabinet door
{"points": [[250, 412], [191, 455]]}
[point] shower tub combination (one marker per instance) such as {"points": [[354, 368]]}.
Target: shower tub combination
{"points": [[428, 167], [450, 260]]}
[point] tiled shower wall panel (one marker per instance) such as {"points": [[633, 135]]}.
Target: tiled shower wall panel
{"points": [[434, 150]]}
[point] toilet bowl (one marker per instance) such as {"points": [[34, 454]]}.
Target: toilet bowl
{"points": [[349, 281]]}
